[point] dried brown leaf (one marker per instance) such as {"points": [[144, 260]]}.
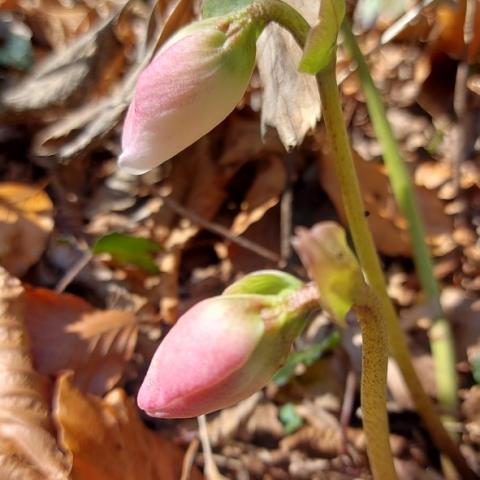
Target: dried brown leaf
{"points": [[55, 23], [387, 225], [68, 75], [28, 449], [68, 333], [108, 440], [86, 125], [291, 102], [264, 194], [26, 220]]}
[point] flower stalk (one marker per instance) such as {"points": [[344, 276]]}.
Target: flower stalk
{"points": [[440, 334], [373, 385], [329, 261], [365, 248]]}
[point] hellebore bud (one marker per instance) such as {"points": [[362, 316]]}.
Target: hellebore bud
{"points": [[331, 264], [223, 350], [192, 84]]}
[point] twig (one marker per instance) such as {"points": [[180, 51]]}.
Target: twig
{"points": [[347, 405], [189, 458], [286, 205], [73, 271], [402, 23], [222, 231], [465, 128], [211, 470]]}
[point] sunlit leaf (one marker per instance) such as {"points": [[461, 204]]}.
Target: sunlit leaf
{"points": [[26, 220], [127, 249]]}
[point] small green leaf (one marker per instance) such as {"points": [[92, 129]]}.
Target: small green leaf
{"points": [[290, 418], [265, 282], [131, 250], [306, 357], [216, 8], [475, 366], [321, 42], [16, 46]]}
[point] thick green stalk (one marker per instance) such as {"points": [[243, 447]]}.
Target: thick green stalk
{"points": [[283, 14], [332, 112], [440, 333], [373, 388], [365, 248]]}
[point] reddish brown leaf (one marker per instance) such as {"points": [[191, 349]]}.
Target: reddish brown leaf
{"points": [[108, 440], [68, 333]]}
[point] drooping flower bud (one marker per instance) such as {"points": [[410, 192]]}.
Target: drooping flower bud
{"points": [[329, 261], [223, 350], [192, 84]]}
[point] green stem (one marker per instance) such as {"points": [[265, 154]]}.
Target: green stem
{"points": [[352, 199], [440, 333], [283, 14], [364, 245], [373, 389]]}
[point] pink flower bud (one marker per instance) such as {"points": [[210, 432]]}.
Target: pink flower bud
{"points": [[221, 351], [192, 84]]}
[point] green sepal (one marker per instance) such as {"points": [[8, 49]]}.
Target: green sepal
{"points": [[265, 282], [332, 265], [321, 44]]}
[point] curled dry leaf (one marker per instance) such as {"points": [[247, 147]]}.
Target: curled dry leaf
{"points": [[28, 449], [291, 102], [84, 126], [108, 440], [26, 220], [68, 75], [264, 194], [388, 226], [68, 333], [56, 23]]}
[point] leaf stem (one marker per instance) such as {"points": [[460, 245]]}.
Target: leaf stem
{"points": [[288, 17], [440, 333], [370, 263], [292, 20]]}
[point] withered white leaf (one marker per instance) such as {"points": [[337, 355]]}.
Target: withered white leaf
{"points": [[291, 102]]}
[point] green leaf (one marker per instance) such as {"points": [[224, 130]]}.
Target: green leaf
{"points": [[216, 8], [130, 250], [264, 282], [290, 418], [15, 48], [475, 366], [306, 357], [321, 42]]}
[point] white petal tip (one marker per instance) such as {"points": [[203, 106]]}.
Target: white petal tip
{"points": [[126, 163]]}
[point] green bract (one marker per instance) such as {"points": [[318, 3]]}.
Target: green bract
{"points": [[321, 42]]}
